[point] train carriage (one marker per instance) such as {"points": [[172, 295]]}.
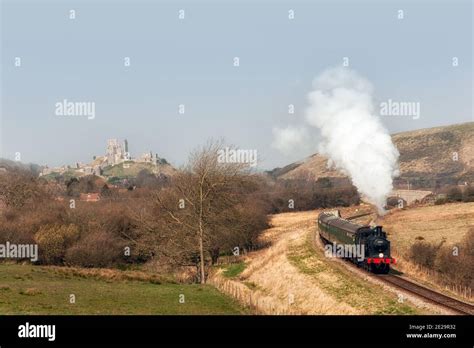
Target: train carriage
{"points": [[372, 240]]}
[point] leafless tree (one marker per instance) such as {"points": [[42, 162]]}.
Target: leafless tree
{"points": [[201, 211]]}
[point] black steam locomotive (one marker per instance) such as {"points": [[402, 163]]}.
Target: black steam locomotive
{"points": [[366, 246]]}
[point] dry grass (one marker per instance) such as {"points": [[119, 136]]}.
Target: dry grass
{"points": [[313, 167], [432, 223], [30, 292], [293, 277], [449, 222]]}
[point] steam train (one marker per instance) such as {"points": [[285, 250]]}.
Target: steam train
{"points": [[371, 243]]}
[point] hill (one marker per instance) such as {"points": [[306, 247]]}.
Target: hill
{"points": [[131, 169], [128, 169], [428, 158]]}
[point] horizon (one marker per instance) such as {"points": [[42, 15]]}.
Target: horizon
{"points": [[170, 160]]}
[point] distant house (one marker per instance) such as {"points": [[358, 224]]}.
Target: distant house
{"points": [[90, 197]]}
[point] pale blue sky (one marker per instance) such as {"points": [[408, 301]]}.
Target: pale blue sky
{"points": [[190, 62]]}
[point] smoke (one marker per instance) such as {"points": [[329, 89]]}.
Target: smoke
{"points": [[291, 138], [352, 137]]}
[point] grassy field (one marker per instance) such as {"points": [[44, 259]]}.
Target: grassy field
{"points": [[432, 223], [26, 289]]}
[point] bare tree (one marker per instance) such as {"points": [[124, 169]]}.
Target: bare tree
{"points": [[199, 212]]}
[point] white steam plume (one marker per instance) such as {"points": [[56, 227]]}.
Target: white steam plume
{"points": [[353, 137], [290, 139]]}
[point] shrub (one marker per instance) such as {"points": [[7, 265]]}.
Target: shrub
{"points": [[53, 241], [454, 194], [424, 253], [454, 262], [445, 260], [19, 225], [308, 195], [468, 194], [95, 250]]}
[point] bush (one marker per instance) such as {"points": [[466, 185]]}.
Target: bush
{"points": [[453, 262], [95, 250], [468, 194], [456, 262], [454, 194], [85, 184], [309, 195], [53, 241], [424, 253], [19, 225]]}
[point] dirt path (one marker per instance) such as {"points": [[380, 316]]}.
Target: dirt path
{"points": [[291, 276]]}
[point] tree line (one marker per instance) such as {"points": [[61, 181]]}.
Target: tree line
{"points": [[187, 221]]}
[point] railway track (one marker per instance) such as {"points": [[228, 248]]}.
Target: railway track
{"points": [[427, 294], [422, 292]]}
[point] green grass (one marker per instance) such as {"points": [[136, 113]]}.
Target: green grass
{"points": [[233, 270], [26, 289], [121, 172]]}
